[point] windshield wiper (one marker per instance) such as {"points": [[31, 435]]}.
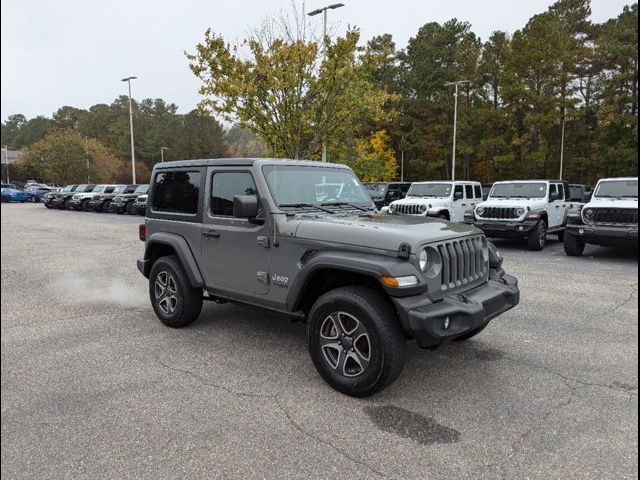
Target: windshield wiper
{"points": [[306, 205], [344, 204]]}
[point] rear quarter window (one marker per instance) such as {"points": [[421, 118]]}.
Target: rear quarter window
{"points": [[176, 192]]}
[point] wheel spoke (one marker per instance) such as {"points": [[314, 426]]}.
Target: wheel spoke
{"points": [[362, 347], [332, 353]]}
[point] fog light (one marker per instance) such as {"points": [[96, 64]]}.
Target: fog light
{"points": [[521, 228], [581, 231], [446, 323]]}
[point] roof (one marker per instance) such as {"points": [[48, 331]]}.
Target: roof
{"points": [[532, 181], [460, 182], [621, 179], [242, 162]]}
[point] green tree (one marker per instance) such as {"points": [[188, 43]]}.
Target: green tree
{"points": [[290, 92]]}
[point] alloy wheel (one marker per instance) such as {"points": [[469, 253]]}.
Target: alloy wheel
{"points": [[345, 344], [166, 292]]}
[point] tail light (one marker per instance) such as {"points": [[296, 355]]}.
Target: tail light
{"points": [[142, 232]]}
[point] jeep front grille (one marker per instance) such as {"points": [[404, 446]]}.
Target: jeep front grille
{"points": [[408, 209], [615, 216], [463, 262], [500, 213]]}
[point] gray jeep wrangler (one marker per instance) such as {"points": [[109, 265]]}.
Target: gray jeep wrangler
{"points": [[304, 239]]}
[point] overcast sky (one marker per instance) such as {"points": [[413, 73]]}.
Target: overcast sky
{"points": [[74, 52]]}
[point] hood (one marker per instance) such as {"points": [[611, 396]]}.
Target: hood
{"points": [[383, 232], [526, 203], [612, 203], [433, 201]]}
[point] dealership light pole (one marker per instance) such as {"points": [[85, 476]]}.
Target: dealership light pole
{"points": [[162, 149], [455, 124], [133, 153], [318, 11], [6, 160], [564, 122]]}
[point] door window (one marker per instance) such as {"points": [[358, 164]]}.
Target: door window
{"points": [[176, 192], [458, 191], [469, 191], [225, 186], [478, 191]]}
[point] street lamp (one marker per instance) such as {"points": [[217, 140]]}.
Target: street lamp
{"points": [[133, 153], [564, 123], [6, 160], [455, 124], [318, 11], [162, 149]]}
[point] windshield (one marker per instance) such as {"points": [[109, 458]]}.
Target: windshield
{"points": [[430, 190], [296, 185], [68, 188], [617, 189], [119, 189], [519, 190], [8, 185], [99, 189], [575, 193], [142, 189]]}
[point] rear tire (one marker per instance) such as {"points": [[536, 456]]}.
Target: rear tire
{"points": [[355, 341], [538, 237], [574, 246], [174, 301]]}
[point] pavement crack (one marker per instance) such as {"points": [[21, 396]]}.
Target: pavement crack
{"points": [[338, 450], [516, 445], [280, 406]]}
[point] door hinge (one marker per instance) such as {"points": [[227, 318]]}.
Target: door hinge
{"points": [[263, 277]]}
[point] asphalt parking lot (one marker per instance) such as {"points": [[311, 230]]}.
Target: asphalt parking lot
{"points": [[93, 386]]}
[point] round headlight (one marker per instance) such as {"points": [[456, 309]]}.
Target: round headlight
{"points": [[392, 208], [423, 208], [520, 211], [589, 214], [424, 260], [480, 211]]}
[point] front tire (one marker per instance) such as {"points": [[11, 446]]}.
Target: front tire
{"points": [[355, 341], [538, 237], [574, 246], [174, 301], [130, 209]]}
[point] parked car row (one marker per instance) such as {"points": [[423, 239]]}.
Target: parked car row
{"points": [[121, 199], [31, 192], [531, 210]]}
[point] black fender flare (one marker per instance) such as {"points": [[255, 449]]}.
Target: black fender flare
{"points": [[368, 264], [183, 251]]}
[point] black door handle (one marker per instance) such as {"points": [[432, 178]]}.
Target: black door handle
{"points": [[211, 234]]}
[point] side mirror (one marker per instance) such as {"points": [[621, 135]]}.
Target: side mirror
{"points": [[458, 195], [245, 206]]}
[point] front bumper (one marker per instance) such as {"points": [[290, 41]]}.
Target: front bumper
{"points": [[118, 207], [425, 320], [58, 202], [77, 204], [499, 229], [140, 208], [606, 235]]}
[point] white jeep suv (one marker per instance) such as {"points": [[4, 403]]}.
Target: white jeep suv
{"points": [[80, 201], [610, 219], [528, 209], [448, 200]]}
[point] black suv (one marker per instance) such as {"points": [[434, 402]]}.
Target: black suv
{"points": [[123, 203], [102, 202], [383, 193], [304, 239], [51, 196], [63, 199]]}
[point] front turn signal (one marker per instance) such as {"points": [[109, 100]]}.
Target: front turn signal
{"points": [[400, 282]]}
